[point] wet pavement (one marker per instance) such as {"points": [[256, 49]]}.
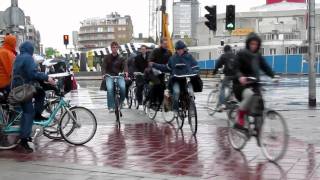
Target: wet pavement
{"points": [[152, 149]]}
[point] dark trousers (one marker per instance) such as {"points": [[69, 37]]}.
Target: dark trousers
{"points": [[26, 120]]}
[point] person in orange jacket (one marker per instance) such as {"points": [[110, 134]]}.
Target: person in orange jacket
{"points": [[7, 57]]}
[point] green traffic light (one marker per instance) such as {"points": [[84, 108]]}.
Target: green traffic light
{"points": [[230, 26]]}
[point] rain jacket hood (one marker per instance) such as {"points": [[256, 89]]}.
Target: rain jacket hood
{"points": [[253, 37], [27, 47]]}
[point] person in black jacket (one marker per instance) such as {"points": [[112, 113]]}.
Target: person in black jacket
{"points": [[249, 62], [227, 61], [159, 55], [141, 63]]}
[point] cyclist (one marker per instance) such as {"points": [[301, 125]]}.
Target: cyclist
{"points": [[181, 63], [159, 55], [141, 63], [7, 56], [248, 64], [131, 70], [113, 64], [227, 61], [25, 67]]}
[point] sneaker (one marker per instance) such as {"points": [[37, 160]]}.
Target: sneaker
{"points": [[23, 147], [221, 108], [111, 110]]}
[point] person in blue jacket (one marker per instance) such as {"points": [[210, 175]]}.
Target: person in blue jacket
{"points": [[25, 67], [181, 63]]}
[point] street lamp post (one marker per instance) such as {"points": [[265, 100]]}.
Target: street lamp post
{"points": [[312, 54]]}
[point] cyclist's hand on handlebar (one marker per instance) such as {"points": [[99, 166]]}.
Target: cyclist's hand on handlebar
{"points": [[243, 80], [51, 81]]}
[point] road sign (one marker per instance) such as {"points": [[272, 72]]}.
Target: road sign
{"points": [[13, 17]]}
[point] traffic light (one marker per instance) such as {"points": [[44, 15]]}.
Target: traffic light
{"points": [[212, 17], [230, 17], [66, 40]]}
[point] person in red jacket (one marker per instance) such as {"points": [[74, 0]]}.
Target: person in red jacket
{"points": [[7, 57]]}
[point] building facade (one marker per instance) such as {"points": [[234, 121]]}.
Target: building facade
{"points": [[282, 26], [185, 18], [33, 35], [100, 32]]}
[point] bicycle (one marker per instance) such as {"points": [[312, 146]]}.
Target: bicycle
{"points": [[214, 96], [187, 106], [140, 77], [117, 101], [131, 94], [69, 124], [257, 121]]}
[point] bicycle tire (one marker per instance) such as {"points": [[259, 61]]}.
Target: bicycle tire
{"points": [[52, 131], [237, 139], [9, 141], [180, 119], [152, 113], [117, 110], [130, 98], [76, 125], [193, 116], [212, 102], [167, 114], [285, 132]]}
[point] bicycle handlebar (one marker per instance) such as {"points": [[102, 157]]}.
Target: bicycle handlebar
{"points": [[119, 75], [185, 76]]}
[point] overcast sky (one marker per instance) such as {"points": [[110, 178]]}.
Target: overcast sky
{"points": [[53, 18]]}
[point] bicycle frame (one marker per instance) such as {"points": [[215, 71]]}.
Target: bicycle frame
{"points": [[10, 129]]}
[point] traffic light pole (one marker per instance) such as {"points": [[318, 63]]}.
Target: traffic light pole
{"points": [[312, 56]]}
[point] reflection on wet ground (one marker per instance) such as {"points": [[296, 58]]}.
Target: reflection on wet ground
{"points": [[160, 148]]}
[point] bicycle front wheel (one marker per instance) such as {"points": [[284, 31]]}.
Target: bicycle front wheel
{"points": [[236, 138], [193, 117], [274, 136], [167, 113], [130, 97], [78, 125], [212, 102]]}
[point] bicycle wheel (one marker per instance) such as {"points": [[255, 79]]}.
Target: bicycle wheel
{"points": [[167, 113], [180, 119], [78, 125], [130, 97], [117, 110], [193, 116], [212, 102], [52, 131], [274, 136], [135, 100], [152, 110], [236, 138], [9, 141]]}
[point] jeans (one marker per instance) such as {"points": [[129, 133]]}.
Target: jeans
{"points": [[176, 91], [247, 97], [224, 83], [110, 91], [26, 120]]}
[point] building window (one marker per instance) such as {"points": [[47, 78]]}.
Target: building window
{"points": [[303, 50], [273, 51], [261, 51], [30, 30], [110, 29], [100, 29]]}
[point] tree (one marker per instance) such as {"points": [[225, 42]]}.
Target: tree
{"points": [[50, 52], [187, 40]]}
